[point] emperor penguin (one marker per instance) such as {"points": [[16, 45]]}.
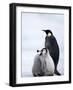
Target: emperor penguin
{"points": [[43, 64], [53, 47]]}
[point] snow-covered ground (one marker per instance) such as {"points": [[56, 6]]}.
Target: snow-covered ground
{"points": [[33, 38]]}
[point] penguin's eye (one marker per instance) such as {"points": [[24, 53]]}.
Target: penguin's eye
{"points": [[49, 34]]}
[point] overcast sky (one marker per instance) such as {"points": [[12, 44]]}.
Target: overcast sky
{"points": [[33, 37]]}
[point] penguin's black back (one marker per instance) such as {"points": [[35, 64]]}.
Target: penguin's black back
{"points": [[52, 46]]}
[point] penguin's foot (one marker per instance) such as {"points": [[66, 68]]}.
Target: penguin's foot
{"points": [[38, 75], [50, 75], [57, 73], [34, 75]]}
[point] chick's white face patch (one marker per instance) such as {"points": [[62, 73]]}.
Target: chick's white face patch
{"points": [[44, 51]]}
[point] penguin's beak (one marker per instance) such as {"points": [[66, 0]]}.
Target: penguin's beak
{"points": [[44, 30]]}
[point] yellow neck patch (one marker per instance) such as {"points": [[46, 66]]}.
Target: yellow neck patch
{"points": [[49, 34]]}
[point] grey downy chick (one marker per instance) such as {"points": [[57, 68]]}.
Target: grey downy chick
{"points": [[43, 64], [36, 69], [47, 64]]}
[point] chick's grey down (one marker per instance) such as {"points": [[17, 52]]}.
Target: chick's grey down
{"points": [[43, 64]]}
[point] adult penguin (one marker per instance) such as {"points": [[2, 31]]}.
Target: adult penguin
{"points": [[52, 45]]}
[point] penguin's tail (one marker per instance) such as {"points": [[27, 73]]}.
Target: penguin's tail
{"points": [[57, 73]]}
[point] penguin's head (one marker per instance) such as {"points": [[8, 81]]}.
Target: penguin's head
{"points": [[48, 32], [42, 52]]}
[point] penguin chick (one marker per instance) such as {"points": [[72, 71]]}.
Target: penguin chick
{"points": [[47, 64], [43, 64], [36, 69]]}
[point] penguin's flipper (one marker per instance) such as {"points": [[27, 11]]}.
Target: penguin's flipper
{"points": [[57, 73]]}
